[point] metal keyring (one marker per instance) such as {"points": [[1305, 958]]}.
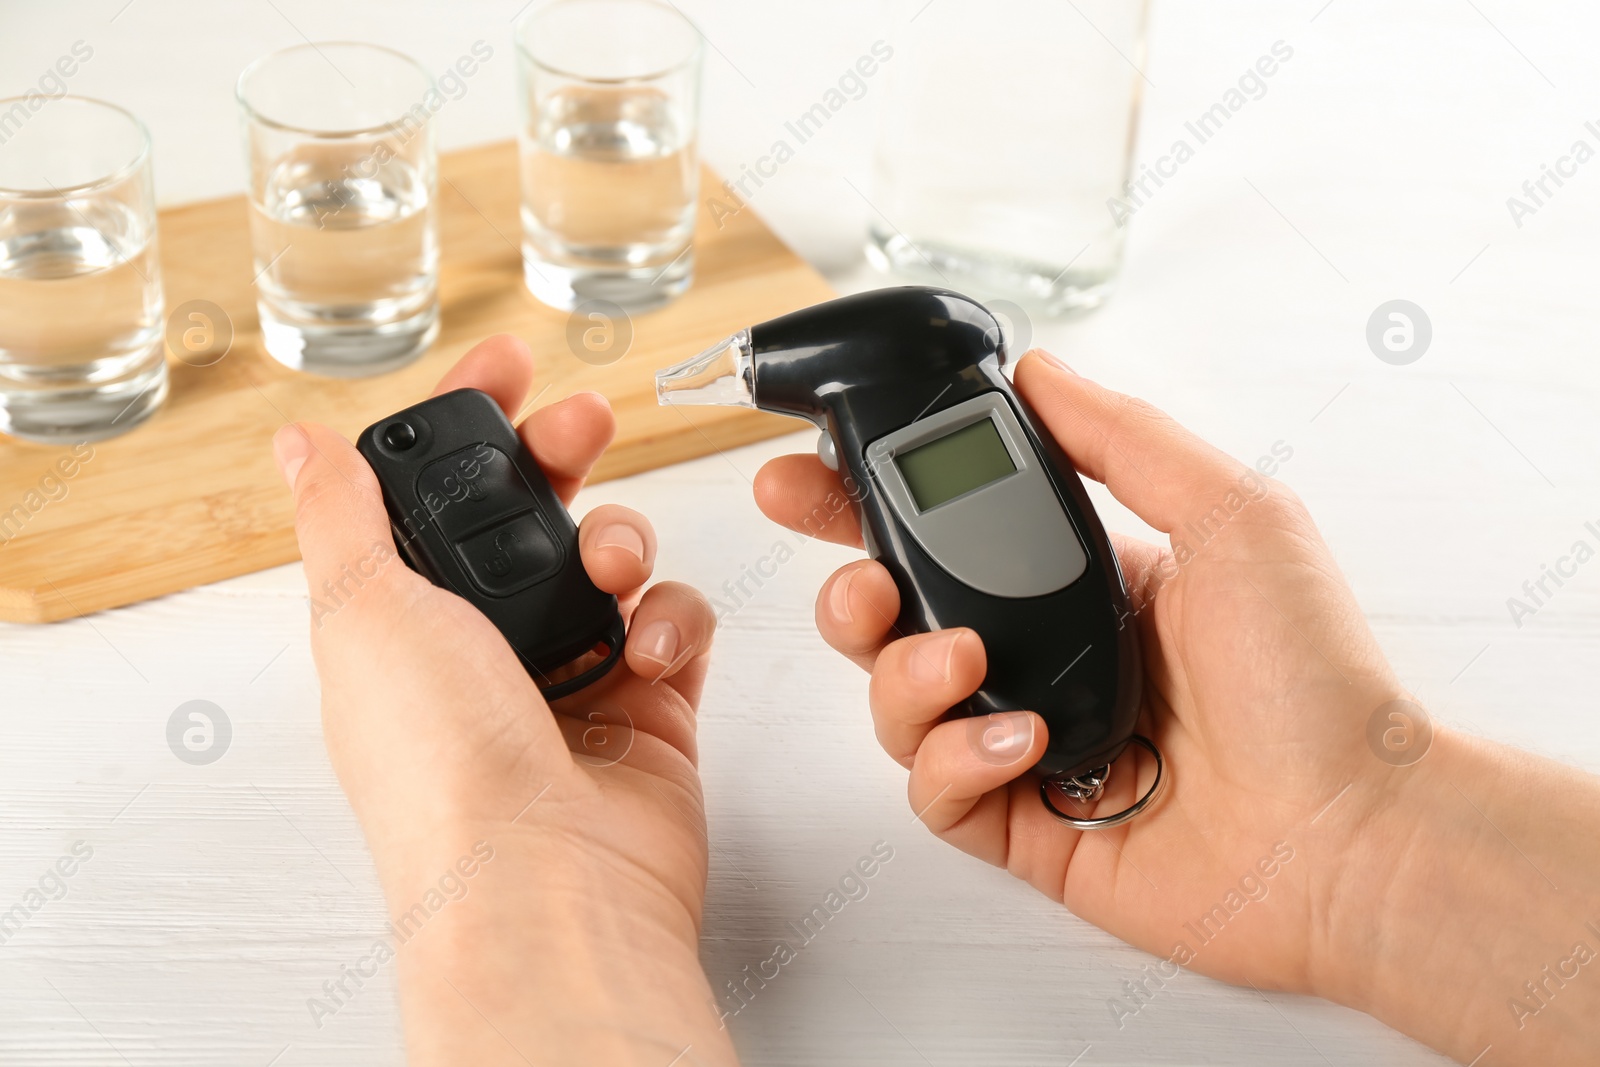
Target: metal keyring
{"points": [[1093, 786]]}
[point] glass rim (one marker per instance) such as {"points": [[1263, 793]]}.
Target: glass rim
{"points": [[120, 174], [693, 57], [255, 65]]}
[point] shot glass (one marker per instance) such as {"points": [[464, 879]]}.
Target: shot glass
{"points": [[610, 95], [81, 354], [343, 219], [1005, 146]]}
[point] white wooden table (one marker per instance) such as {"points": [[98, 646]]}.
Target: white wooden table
{"points": [[219, 898]]}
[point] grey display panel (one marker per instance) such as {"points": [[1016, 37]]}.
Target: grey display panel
{"points": [[1008, 536], [956, 463]]}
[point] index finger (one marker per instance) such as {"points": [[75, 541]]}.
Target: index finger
{"points": [[799, 492], [500, 365], [566, 437]]}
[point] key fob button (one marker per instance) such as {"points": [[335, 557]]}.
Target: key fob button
{"points": [[512, 555], [400, 436], [470, 488], [473, 513]]}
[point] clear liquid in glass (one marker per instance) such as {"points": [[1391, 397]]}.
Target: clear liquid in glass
{"points": [[1007, 130], [348, 264], [609, 182], [81, 354]]}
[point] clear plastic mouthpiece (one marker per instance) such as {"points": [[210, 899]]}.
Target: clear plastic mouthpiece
{"points": [[723, 374]]}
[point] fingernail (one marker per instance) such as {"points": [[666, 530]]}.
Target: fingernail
{"points": [[930, 658], [658, 642], [621, 535], [1008, 735], [1055, 361], [290, 448], [839, 597]]}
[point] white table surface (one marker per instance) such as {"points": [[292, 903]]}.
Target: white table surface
{"points": [[220, 898]]}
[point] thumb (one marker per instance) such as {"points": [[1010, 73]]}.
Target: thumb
{"points": [[339, 517], [1161, 471]]}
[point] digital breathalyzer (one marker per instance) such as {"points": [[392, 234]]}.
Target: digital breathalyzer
{"points": [[976, 513]]}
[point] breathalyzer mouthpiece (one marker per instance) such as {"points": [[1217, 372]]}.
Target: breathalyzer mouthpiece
{"points": [[723, 374]]}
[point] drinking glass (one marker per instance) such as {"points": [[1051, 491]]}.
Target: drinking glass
{"points": [[1007, 131], [610, 99], [81, 354], [343, 222]]}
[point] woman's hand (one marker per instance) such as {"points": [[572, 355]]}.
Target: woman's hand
{"points": [[1286, 853], [577, 939]]}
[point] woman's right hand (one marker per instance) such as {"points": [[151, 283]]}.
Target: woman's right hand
{"points": [[1287, 852]]}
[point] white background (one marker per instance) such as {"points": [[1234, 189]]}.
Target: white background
{"points": [[220, 898]]}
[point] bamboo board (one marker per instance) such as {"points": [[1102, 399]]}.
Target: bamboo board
{"points": [[192, 496]]}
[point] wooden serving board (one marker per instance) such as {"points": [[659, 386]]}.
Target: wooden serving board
{"points": [[192, 496]]}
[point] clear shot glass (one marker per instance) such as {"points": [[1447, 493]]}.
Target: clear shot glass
{"points": [[610, 94], [1005, 146], [343, 219], [81, 354]]}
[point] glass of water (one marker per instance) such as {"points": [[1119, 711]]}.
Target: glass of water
{"points": [[1004, 145], [343, 223], [81, 354], [610, 100]]}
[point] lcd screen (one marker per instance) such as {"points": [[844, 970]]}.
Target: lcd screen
{"points": [[956, 463]]}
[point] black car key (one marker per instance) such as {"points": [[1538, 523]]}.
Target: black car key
{"points": [[472, 512]]}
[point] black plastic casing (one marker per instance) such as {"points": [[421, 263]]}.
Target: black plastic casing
{"points": [[551, 613], [866, 365]]}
